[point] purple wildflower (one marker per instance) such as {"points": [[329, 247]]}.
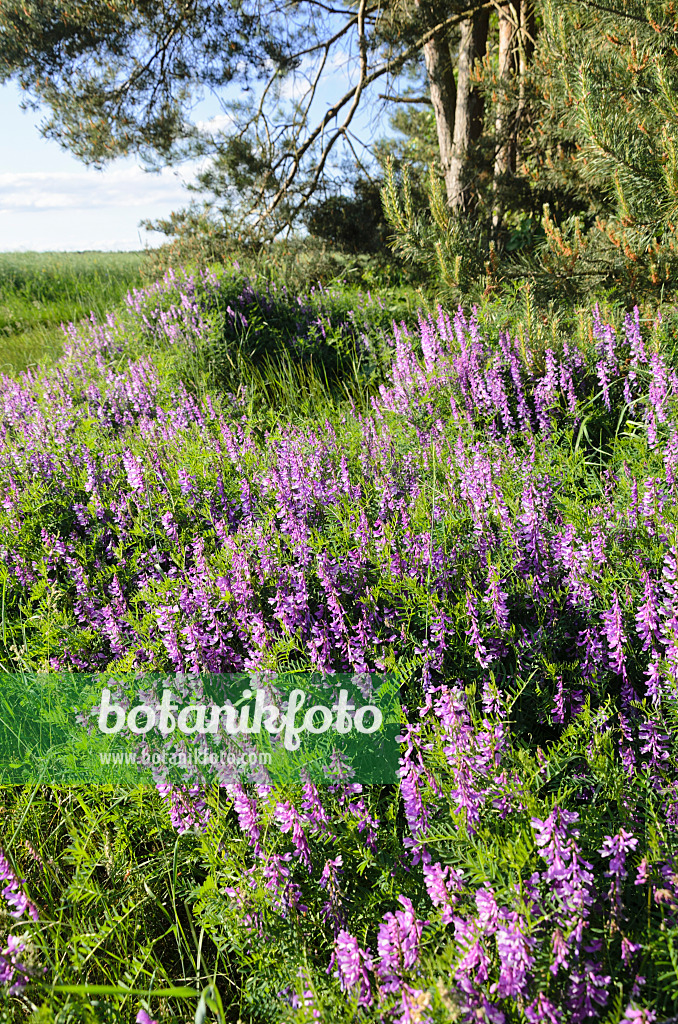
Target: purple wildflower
{"points": [[542, 1011], [170, 527], [289, 821], [314, 812], [515, 958], [13, 973], [558, 713], [474, 632], [488, 911], [605, 333], [135, 476], [186, 481], [560, 952], [616, 847], [414, 1003], [144, 1018], [569, 878], [398, 945], [13, 893], [654, 742], [614, 631], [473, 965], [643, 873], [588, 989], [653, 686], [442, 884], [353, 964], [430, 343], [626, 750], [629, 950], [367, 823], [601, 370], [647, 616], [186, 805], [638, 1015], [305, 1001], [329, 880], [496, 596], [634, 337], [413, 783], [472, 754], [246, 808]]}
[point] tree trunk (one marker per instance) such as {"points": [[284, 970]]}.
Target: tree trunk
{"points": [[444, 98], [443, 92], [509, 21], [526, 40], [468, 120], [505, 152]]}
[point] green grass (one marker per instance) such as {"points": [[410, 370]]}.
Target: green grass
{"points": [[40, 291], [133, 914]]}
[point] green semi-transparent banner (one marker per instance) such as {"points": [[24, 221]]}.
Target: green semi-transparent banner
{"points": [[123, 729]]}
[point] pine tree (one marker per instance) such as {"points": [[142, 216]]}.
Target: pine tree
{"points": [[607, 81], [459, 241]]}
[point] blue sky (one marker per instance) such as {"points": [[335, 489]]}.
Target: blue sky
{"points": [[50, 201]]}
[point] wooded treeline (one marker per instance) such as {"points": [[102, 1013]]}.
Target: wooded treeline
{"points": [[556, 146], [533, 138]]}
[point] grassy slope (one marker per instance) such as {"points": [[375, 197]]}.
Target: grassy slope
{"points": [[129, 885]]}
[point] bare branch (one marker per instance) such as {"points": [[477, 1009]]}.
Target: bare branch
{"points": [[325, 43], [353, 97], [405, 99], [358, 161]]}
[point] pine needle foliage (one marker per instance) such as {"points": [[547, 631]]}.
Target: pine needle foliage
{"points": [[608, 76], [446, 243], [591, 205]]}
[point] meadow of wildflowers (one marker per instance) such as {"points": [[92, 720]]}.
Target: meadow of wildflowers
{"points": [[488, 514]]}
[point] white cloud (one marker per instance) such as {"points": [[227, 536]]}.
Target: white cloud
{"points": [[129, 187], [87, 209], [216, 123]]}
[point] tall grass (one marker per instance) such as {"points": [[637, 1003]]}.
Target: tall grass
{"points": [[40, 291], [491, 513]]}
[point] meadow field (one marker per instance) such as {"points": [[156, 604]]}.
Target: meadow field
{"points": [[40, 291], [217, 473]]}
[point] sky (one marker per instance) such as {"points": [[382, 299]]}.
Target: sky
{"points": [[51, 201]]}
